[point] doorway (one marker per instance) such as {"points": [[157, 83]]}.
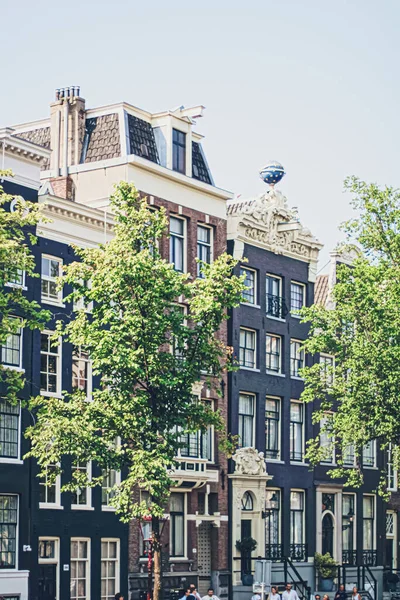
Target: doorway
{"points": [[327, 534], [47, 582]]}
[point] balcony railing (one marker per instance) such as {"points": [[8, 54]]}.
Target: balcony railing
{"points": [[349, 557], [273, 552], [369, 558], [298, 552], [276, 306]]}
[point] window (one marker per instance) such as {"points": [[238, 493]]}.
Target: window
{"points": [[204, 246], [273, 354], [275, 306], [11, 351], [348, 523], [296, 431], [247, 350], [179, 151], [109, 568], [391, 472], [296, 517], [349, 456], [326, 441], [49, 493], [328, 362], [111, 478], [179, 350], [249, 294], [8, 531], [177, 525], [82, 496], [272, 522], [247, 502], [16, 278], [49, 554], [297, 297], [272, 428], [9, 429], [368, 522], [80, 569], [368, 454], [146, 526], [51, 269], [50, 372], [246, 419], [177, 243], [81, 371], [296, 357], [79, 304]]}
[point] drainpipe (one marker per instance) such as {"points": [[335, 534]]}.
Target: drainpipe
{"points": [[65, 148], [57, 144]]}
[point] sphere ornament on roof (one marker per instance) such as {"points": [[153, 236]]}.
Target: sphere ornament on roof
{"points": [[272, 173]]}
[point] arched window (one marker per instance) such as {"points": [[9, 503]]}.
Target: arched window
{"points": [[247, 501]]}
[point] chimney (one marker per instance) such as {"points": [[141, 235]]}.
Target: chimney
{"points": [[67, 121]]}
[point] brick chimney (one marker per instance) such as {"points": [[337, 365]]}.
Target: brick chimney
{"points": [[67, 122]]}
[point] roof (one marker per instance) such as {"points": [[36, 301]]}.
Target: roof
{"points": [[40, 136], [102, 139], [321, 289]]}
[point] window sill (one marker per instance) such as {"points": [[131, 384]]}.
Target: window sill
{"points": [[179, 559], [12, 368], [50, 506], [254, 370], [275, 461], [53, 303], [250, 304], [108, 508], [11, 461], [275, 374], [296, 378], [280, 319], [296, 463], [370, 468], [83, 507], [51, 395], [298, 317], [17, 286]]}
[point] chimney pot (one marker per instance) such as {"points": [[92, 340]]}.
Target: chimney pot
{"points": [[78, 90], [57, 94]]}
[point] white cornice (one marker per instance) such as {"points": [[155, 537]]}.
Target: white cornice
{"points": [[90, 217], [19, 147]]}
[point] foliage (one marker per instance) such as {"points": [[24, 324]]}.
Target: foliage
{"points": [[325, 565], [16, 239], [147, 356], [362, 331], [246, 545]]}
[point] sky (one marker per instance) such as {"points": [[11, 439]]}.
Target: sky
{"points": [[310, 83]]}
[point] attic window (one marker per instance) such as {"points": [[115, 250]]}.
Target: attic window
{"points": [[199, 166]]}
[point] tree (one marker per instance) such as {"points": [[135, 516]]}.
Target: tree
{"points": [[148, 358], [16, 259], [358, 396]]}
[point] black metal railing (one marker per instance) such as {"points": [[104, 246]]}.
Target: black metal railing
{"points": [[369, 558], [274, 552], [349, 557], [362, 577], [276, 306], [298, 552], [293, 576]]}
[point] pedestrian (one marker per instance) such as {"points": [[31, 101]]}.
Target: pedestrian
{"points": [[341, 593], [274, 594], [289, 594], [317, 597], [186, 593], [256, 596], [325, 597], [118, 596], [355, 595], [194, 592], [210, 595]]}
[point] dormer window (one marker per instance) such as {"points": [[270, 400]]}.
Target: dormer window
{"points": [[178, 151]]}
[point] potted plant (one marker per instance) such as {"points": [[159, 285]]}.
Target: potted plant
{"points": [[246, 546], [326, 567]]}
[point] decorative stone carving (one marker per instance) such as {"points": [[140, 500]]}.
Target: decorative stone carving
{"points": [[249, 462]]}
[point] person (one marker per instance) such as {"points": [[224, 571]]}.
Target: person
{"points": [[341, 593], [289, 594], [325, 597], [256, 596], [118, 596], [194, 592], [186, 594], [210, 595], [274, 595], [355, 595], [317, 597]]}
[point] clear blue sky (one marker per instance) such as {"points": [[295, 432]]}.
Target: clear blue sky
{"points": [[311, 83]]}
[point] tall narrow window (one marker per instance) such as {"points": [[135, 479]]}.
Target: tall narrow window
{"points": [[9, 429], [296, 519], [246, 419], [109, 568], [326, 441], [51, 269], [111, 478], [296, 357], [82, 495], [391, 471], [297, 297], [368, 522], [177, 524], [8, 530], [348, 523], [178, 151], [296, 431], [49, 492], [204, 242], [349, 455], [272, 423], [273, 354], [177, 243], [50, 372], [368, 454], [80, 569], [272, 524], [275, 306], [81, 371], [247, 354], [11, 350], [249, 293], [327, 362], [16, 278]]}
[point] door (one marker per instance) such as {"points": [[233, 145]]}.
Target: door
{"points": [[47, 582], [327, 534], [204, 557]]}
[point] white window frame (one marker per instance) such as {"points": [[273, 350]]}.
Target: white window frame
{"points": [[44, 300], [304, 532], [327, 359], [255, 349], [52, 561], [21, 285], [185, 553], [18, 367], [279, 337], [374, 522], [89, 386], [88, 504], [302, 356], [373, 466], [277, 399], [278, 492], [330, 441], [79, 304], [279, 280], [184, 238], [211, 246], [354, 457], [391, 472], [244, 301], [253, 427], [117, 561], [16, 568], [292, 310], [53, 505], [108, 507], [354, 517], [56, 394], [16, 459], [303, 424], [88, 561]]}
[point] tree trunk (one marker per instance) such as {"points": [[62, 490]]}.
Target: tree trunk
{"points": [[157, 558]]}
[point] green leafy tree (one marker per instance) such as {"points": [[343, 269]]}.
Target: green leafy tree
{"points": [[16, 239], [148, 357], [359, 395]]}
